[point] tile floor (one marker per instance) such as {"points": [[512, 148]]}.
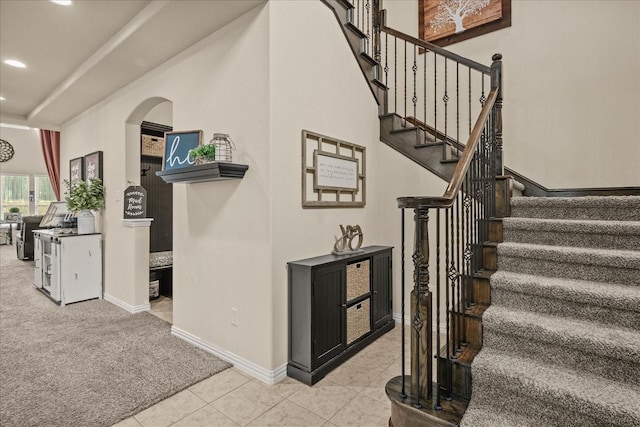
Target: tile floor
{"points": [[352, 395]]}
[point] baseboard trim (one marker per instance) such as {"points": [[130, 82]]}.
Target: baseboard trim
{"points": [[244, 365], [128, 307]]}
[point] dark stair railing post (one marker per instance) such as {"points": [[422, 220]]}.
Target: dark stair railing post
{"points": [[421, 357]]}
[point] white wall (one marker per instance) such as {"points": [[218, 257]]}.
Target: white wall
{"points": [[572, 88], [317, 85], [221, 229], [27, 158], [262, 79]]}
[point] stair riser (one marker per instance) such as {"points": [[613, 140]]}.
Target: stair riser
{"points": [[612, 213], [481, 291], [496, 231], [559, 307], [606, 367], [569, 270], [545, 410], [582, 240], [460, 379], [470, 331], [489, 258]]}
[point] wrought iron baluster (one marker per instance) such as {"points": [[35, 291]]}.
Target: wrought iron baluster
{"points": [[404, 115], [367, 7], [435, 96], [402, 310], [458, 109], [445, 146], [415, 96], [395, 74], [424, 95], [437, 404]]}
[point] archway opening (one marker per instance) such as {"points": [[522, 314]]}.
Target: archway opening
{"points": [[145, 147]]}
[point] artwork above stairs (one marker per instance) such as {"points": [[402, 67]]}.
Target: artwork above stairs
{"points": [[561, 340]]}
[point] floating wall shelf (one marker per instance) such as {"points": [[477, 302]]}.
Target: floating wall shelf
{"points": [[217, 171]]}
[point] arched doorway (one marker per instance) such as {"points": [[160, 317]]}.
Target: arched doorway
{"points": [[145, 129]]}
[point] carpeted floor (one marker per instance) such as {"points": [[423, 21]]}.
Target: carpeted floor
{"points": [[85, 364], [561, 340]]}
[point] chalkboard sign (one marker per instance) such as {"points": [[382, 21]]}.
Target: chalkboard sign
{"points": [[135, 202], [177, 146]]}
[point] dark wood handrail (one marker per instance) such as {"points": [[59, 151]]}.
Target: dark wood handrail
{"points": [[440, 51], [449, 196]]}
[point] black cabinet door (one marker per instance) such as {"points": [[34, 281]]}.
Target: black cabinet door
{"points": [[328, 313], [381, 288]]}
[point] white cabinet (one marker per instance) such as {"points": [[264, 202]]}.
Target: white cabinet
{"points": [[68, 267]]}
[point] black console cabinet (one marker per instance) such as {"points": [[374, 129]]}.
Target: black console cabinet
{"points": [[337, 306]]}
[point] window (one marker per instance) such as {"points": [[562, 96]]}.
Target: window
{"points": [[44, 194], [32, 194], [15, 193]]}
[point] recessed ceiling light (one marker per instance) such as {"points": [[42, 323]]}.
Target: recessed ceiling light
{"points": [[15, 63], [2, 98], [63, 2]]}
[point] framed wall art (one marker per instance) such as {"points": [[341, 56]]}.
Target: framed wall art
{"points": [[93, 166], [76, 170], [333, 172], [177, 146], [443, 22]]}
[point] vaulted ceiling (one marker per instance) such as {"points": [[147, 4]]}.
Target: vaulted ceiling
{"points": [[79, 54]]}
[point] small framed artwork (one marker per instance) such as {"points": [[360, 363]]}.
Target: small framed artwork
{"points": [[76, 170], [177, 146], [444, 22], [93, 166], [333, 172]]}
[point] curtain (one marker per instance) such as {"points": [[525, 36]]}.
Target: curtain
{"points": [[50, 143]]}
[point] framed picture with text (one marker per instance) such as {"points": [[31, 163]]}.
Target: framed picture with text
{"points": [[177, 146], [76, 170], [93, 166]]}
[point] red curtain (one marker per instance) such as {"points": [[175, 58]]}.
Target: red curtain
{"points": [[50, 143]]}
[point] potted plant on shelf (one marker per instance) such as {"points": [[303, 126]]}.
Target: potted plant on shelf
{"points": [[204, 153], [83, 198], [14, 209]]}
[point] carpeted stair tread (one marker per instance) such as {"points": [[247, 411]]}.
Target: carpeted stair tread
{"points": [[616, 208], [554, 389], [485, 415], [608, 295], [590, 337], [606, 257], [605, 265], [624, 235]]}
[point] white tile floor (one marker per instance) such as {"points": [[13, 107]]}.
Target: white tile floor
{"points": [[352, 395]]}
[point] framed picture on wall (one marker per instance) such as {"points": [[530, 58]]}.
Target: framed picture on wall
{"points": [[177, 146], [93, 166], [76, 170], [443, 22]]}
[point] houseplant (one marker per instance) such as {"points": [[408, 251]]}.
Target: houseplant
{"points": [[82, 198], [204, 153], [14, 209]]}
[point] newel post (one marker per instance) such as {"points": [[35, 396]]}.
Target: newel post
{"points": [[421, 357], [496, 82]]}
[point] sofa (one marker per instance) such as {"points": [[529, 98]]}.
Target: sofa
{"points": [[24, 238]]}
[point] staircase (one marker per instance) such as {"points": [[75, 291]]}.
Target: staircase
{"points": [[551, 338], [562, 335]]}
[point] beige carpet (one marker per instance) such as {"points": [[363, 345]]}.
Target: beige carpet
{"points": [[85, 364]]}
